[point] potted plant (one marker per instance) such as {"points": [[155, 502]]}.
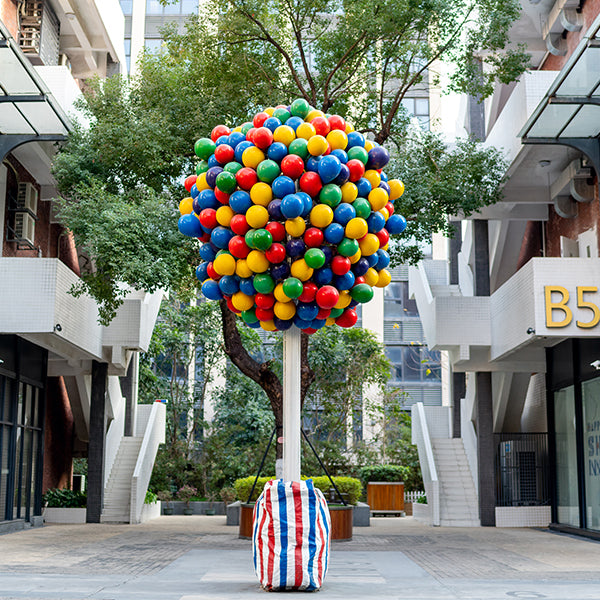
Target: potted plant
{"points": [[385, 487], [186, 493], [210, 497], [166, 496]]}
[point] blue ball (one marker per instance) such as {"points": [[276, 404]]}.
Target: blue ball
{"points": [[373, 259], [376, 222], [378, 158], [294, 122], [340, 155], [235, 137], [194, 191], [254, 325], [281, 324], [323, 276], [211, 175], [355, 139], [282, 186], [364, 187], [329, 168], [272, 123], [328, 252], [211, 290], [247, 287], [202, 272], [212, 161], [239, 149], [223, 139], [274, 209], [280, 271], [344, 282], [301, 323], [207, 199], [220, 236], [207, 253], [318, 323], [396, 224], [383, 259], [295, 247], [308, 203], [277, 151], [384, 185], [360, 267], [334, 233], [343, 213], [240, 202], [229, 284], [190, 225], [292, 206], [383, 176], [312, 164], [307, 311], [343, 177]]}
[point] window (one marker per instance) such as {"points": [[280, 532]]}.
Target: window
{"points": [[126, 6], [182, 7], [419, 109]]}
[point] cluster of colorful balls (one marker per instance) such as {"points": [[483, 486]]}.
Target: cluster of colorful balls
{"points": [[295, 214]]}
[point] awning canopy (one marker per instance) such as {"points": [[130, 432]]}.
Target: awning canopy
{"points": [[28, 112]]}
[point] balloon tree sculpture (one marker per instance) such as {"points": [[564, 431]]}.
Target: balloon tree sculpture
{"points": [[294, 212]]}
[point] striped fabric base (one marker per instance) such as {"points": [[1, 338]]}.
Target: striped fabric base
{"points": [[291, 534]]}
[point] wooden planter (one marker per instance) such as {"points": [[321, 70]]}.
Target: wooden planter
{"points": [[246, 514], [341, 522], [385, 496]]}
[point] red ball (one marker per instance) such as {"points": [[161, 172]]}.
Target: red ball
{"points": [[205, 237], [356, 168], [337, 122], [292, 166], [276, 253], [313, 237], [222, 197], [309, 330], [340, 265], [218, 131], [323, 313], [246, 177], [277, 230], [238, 247], [210, 271], [358, 280], [383, 236], [224, 153], [264, 314], [321, 125], [347, 319], [189, 182], [231, 307], [208, 218], [239, 225], [259, 119], [311, 183], [264, 301], [263, 138], [250, 134], [390, 208], [327, 297], [309, 292]]}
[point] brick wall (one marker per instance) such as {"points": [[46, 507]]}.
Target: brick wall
{"points": [[8, 16]]}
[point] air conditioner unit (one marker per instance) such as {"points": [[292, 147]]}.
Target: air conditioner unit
{"points": [[27, 197], [24, 227]]}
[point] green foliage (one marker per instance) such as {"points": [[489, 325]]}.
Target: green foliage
{"points": [[80, 466], [63, 498], [186, 493], [150, 498], [387, 473], [165, 496], [243, 486], [422, 500]]}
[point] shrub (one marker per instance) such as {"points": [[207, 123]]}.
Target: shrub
{"points": [[228, 495], [388, 473], [150, 498], [165, 496], [186, 493], [64, 499], [244, 485], [422, 500]]}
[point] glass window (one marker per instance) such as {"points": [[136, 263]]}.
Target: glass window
{"points": [[154, 7], [189, 7], [394, 355], [152, 44], [566, 457], [126, 6], [172, 8], [431, 365], [591, 428], [412, 363]]}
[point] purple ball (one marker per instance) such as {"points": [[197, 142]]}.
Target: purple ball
{"points": [[328, 252], [295, 247], [343, 177], [360, 267], [281, 324], [280, 271], [211, 175], [378, 158], [274, 209]]}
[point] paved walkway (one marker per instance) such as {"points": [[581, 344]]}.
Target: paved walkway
{"points": [[200, 558]]}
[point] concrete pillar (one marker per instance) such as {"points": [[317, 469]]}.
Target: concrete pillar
{"points": [[129, 389], [458, 393], [95, 485]]}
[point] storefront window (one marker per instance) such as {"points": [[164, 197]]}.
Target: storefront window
{"points": [[591, 428], [566, 457]]}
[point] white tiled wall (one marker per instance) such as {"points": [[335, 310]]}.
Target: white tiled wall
{"points": [[522, 516]]}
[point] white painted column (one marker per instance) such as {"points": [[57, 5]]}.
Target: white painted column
{"points": [[291, 405], [138, 24]]}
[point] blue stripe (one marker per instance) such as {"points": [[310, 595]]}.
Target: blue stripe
{"points": [[283, 523], [259, 508], [326, 539], [312, 520]]}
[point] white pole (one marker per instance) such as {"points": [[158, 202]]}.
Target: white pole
{"points": [[291, 404]]}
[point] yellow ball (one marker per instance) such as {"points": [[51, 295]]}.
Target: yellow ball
{"points": [[378, 198], [261, 193], [385, 213], [371, 277], [186, 206], [369, 244], [305, 131], [252, 157], [257, 216], [396, 189], [355, 257], [284, 310], [238, 128], [301, 270], [349, 192], [384, 278], [201, 182], [224, 264], [373, 177], [279, 294], [349, 128], [268, 325], [269, 111], [344, 299], [257, 261], [321, 215], [386, 247], [284, 134], [316, 145], [369, 145], [337, 139], [356, 228], [242, 269], [313, 114], [295, 227], [224, 214], [241, 301], [329, 321]]}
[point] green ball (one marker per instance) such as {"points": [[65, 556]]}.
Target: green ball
{"points": [[315, 258], [292, 287], [246, 127], [204, 147], [331, 195], [223, 251], [362, 208], [201, 167], [262, 239], [268, 170], [300, 107], [282, 114], [362, 293], [233, 167], [263, 283], [249, 237], [348, 247], [249, 316], [336, 312], [299, 147], [226, 182], [356, 152]]}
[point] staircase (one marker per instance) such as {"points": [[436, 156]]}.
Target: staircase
{"points": [[458, 497], [117, 494]]}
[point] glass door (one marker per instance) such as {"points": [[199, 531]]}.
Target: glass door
{"points": [[590, 391]]}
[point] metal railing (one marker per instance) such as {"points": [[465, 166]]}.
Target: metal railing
{"points": [[522, 470]]}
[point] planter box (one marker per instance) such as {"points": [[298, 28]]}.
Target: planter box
{"points": [[64, 515], [422, 513], [385, 496], [199, 508], [246, 520], [341, 522], [150, 511]]}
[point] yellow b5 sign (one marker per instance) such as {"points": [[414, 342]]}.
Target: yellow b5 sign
{"points": [[557, 305]]}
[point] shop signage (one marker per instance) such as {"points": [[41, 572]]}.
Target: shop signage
{"points": [[593, 441], [561, 309]]}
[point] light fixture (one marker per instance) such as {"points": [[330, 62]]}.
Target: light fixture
{"points": [[596, 365], [58, 327], [530, 331], [544, 163]]}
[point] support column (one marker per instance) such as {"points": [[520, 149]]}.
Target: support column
{"points": [[95, 485], [458, 393], [455, 243], [129, 389], [291, 404]]}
